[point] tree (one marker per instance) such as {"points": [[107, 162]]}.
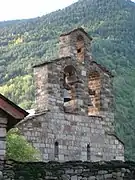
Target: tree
{"points": [[19, 149]]}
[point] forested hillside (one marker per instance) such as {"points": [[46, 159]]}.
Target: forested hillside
{"points": [[112, 26]]}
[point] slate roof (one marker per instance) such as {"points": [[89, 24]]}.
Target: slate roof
{"points": [[13, 112]]}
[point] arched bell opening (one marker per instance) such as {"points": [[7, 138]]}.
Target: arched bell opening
{"points": [[70, 79], [94, 87], [80, 49]]}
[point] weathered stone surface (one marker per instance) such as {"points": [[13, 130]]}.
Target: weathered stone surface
{"points": [[69, 171], [85, 117], [73, 132], [3, 126]]}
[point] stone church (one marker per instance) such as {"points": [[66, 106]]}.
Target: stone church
{"points": [[74, 106]]}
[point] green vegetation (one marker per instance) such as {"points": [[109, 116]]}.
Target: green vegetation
{"points": [[19, 149], [26, 93], [112, 26]]}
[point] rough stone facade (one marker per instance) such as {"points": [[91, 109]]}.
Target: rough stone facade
{"points": [[74, 106], [3, 132], [69, 171]]}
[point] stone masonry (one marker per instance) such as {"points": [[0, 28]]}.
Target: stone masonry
{"points": [[3, 132], [74, 170], [74, 106]]}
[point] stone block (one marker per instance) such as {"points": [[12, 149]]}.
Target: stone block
{"points": [[2, 152], [102, 172], [65, 177], [2, 132], [2, 145], [45, 156], [69, 171], [3, 120], [92, 178], [83, 73], [100, 177], [61, 157], [108, 176], [73, 177]]}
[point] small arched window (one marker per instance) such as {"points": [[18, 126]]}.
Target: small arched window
{"points": [[88, 152], [56, 150], [80, 48]]}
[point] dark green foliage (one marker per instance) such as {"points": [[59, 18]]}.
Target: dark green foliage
{"points": [[112, 26]]}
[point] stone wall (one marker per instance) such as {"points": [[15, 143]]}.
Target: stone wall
{"points": [[114, 170], [73, 133], [3, 132]]}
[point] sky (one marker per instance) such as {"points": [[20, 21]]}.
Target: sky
{"points": [[23, 9]]}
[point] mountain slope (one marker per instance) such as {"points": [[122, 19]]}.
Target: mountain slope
{"points": [[111, 24]]}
